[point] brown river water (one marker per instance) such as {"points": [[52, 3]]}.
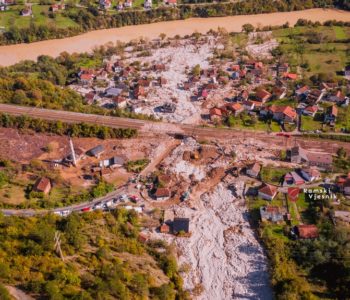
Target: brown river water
{"points": [[85, 42]]}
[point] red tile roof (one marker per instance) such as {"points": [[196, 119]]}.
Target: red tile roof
{"points": [[162, 192], [42, 184], [286, 110], [262, 95], [215, 111], [268, 190]]}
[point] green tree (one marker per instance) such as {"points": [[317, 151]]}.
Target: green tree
{"points": [[248, 28]]}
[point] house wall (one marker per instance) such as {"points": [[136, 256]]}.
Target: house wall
{"points": [[266, 197]]}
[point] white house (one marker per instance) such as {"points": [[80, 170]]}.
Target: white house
{"points": [[311, 174]]}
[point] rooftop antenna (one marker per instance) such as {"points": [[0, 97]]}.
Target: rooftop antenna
{"points": [[72, 152]]}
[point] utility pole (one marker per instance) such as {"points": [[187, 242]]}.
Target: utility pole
{"points": [[58, 249], [72, 152]]}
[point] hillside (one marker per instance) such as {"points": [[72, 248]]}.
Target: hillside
{"points": [[103, 258]]}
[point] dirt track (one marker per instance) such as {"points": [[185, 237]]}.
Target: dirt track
{"points": [[85, 42]]}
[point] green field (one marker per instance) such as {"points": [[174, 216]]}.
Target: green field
{"points": [[309, 123], [323, 50], [41, 16]]}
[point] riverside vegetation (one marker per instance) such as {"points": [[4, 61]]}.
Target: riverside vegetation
{"points": [[82, 19]]}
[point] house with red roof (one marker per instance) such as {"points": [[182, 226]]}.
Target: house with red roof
{"points": [[170, 2], [331, 115], [280, 113], [42, 185], [267, 191], [279, 92], [248, 105], [162, 194], [235, 108], [303, 91], [337, 97], [293, 178], [86, 78], [290, 76], [215, 114], [262, 95], [310, 110]]}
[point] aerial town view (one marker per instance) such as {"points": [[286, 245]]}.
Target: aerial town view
{"points": [[175, 149]]}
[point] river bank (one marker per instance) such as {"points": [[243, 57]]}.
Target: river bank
{"points": [[86, 42]]}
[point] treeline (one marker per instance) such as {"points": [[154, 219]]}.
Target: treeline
{"points": [[301, 23], [62, 128], [93, 18], [104, 258], [336, 137]]}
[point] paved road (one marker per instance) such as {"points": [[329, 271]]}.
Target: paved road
{"points": [[76, 207]]}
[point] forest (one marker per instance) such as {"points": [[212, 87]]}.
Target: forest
{"points": [[102, 258]]}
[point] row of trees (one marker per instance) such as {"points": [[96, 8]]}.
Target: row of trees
{"points": [[61, 128], [92, 18]]}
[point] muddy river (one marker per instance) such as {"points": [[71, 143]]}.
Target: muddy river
{"points": [[85, 42]]}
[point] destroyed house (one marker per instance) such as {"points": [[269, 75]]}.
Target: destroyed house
{"points": [[298, 155], [253, 170], [181, 225], [320, 160], [306, 231], [271, 213]]}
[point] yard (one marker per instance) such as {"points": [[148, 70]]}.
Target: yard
{"points": [[309, 123], [244, 122], [273, 175], [40, 17]]}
